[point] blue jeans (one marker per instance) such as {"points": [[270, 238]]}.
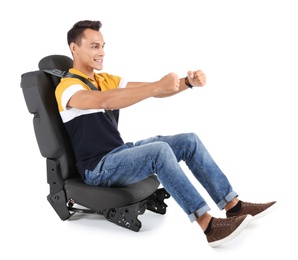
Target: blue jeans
{"points": [[161, 155]]}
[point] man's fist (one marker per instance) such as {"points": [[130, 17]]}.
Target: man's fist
{"points": [[196, 78], [169, 83]]}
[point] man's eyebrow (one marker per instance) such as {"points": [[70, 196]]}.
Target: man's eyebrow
{"points": [[96, 43]]}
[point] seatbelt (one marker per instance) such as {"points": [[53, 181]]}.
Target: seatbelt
{"points": [[66, 74]]}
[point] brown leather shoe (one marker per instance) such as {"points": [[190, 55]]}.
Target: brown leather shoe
{"points": [[257, 210], [225, 229]]}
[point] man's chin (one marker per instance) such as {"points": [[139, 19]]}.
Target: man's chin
{"points": [[98, 67]]}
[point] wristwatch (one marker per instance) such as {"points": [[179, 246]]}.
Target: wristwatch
{"points": [[187, 82]]}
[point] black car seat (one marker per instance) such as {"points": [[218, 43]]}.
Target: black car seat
{"points": [[68, 192]]}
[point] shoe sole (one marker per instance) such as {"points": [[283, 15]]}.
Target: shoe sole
{"points": [[236, 232], [266, 212]]}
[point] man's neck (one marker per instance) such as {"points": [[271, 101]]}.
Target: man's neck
{"points": [[88, 71]]}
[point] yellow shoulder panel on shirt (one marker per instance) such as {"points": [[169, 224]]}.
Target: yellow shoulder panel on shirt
{"points": [[104, 80]]}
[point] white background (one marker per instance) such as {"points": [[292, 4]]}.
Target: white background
{"points": [[246, 115]]}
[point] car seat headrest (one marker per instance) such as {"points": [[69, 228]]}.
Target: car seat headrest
{"points": [[60, 62]]}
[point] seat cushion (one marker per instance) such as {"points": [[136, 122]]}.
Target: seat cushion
{"points": [[100, 198]]}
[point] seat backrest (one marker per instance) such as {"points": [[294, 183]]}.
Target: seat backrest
{"points": [[39, 93]]}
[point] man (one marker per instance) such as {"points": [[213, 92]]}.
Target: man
{"points": [[104, 159]]}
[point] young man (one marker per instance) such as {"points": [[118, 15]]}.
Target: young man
{"points": [[104, 159]]}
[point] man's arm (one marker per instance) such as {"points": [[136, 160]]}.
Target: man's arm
{"points": [[124, 97], [134, 92]]}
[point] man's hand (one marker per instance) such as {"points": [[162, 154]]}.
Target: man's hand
{"points": [[169, 83], [196, 78]]}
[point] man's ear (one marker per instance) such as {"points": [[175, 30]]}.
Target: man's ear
{"points": [[72, 47]]}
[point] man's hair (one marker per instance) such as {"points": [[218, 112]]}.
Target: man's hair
{"points": [[76, 33]]}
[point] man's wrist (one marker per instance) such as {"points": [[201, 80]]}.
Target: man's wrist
{"points": [[186, 81]]}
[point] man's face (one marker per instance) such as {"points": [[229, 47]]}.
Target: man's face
{"points": [[89, 55]]}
